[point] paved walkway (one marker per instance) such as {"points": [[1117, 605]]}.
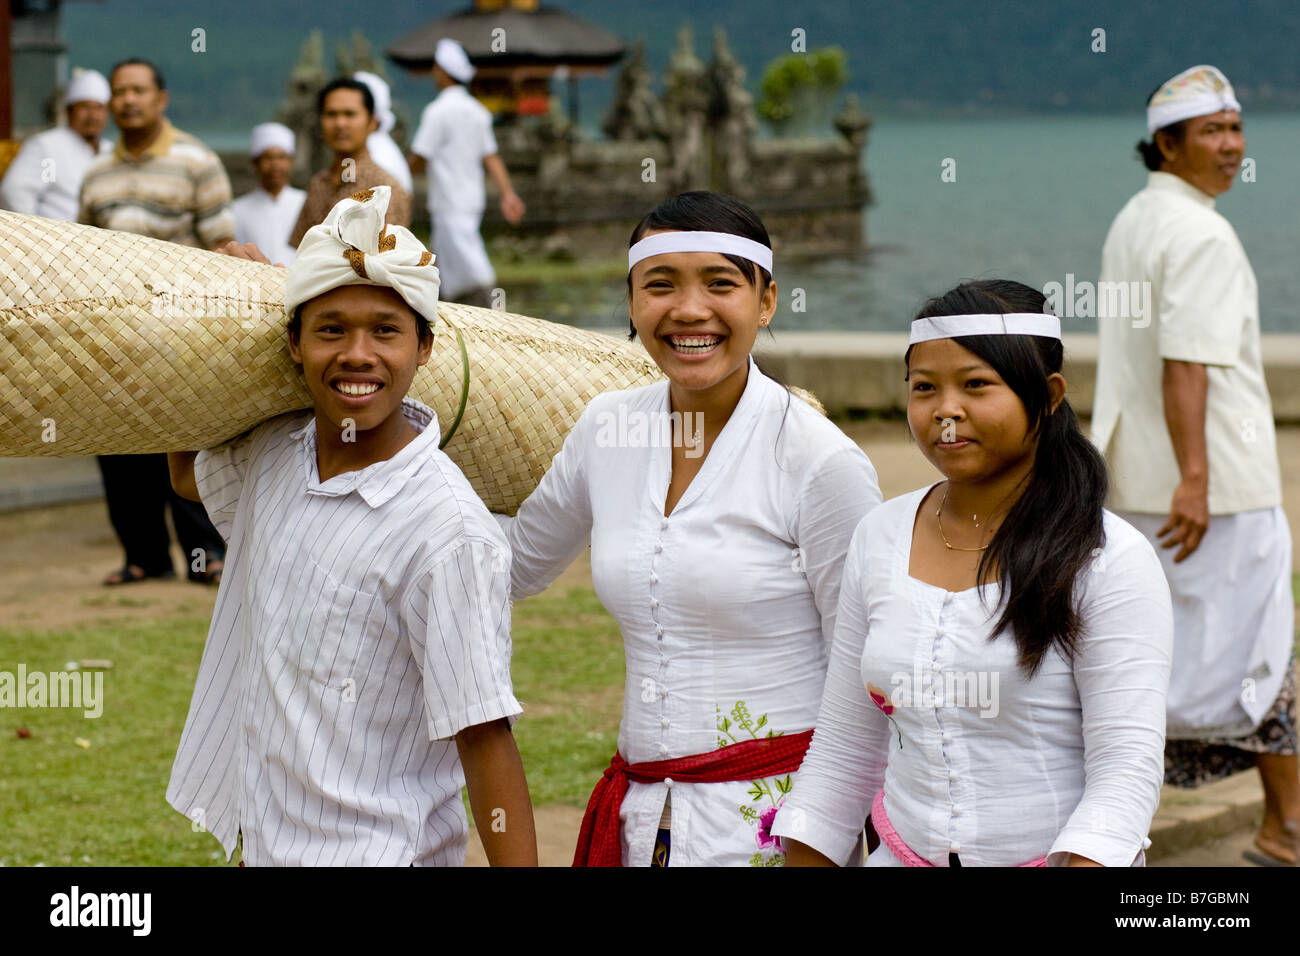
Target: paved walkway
{"points": [[29, 482]]}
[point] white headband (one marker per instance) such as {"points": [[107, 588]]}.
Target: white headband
{"points": [[1012, 323], [723, 242]]}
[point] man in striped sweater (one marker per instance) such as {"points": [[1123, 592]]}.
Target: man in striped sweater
{"points": [[158, 182]]}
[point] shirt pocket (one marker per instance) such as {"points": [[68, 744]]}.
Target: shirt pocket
{"points": [[318, 628]]}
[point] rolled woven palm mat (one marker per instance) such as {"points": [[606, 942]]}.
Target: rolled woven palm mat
{"points": [[113, 343]]}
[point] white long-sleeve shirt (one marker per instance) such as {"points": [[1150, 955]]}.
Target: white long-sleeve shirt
{"points": [[727, 605], [44, 179], [268, 221], [976, 759]]}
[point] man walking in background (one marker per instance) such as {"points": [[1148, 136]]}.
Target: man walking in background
{"points": [[1183, 416], [455, 141], [159, 182], [45, 177]]}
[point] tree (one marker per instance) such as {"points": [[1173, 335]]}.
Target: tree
{"points": [[798, 91]]}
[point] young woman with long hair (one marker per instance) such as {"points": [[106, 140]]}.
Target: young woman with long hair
{"points": [[997, 684]]}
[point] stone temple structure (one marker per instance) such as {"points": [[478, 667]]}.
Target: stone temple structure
{"points": [[584, 195]]}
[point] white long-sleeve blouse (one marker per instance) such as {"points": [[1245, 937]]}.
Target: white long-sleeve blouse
{"points": [[975, 759], [727, 606]]}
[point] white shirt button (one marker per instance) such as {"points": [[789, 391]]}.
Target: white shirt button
{"points": [[663, 721], [954, 848], [654, 578], [668, 782], [659, 629], [654, 602], [663, 525], [663, 748], [952, 775], [659, 548], [946, 737]]}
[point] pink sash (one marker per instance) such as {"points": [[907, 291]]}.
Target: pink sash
{"points": [[889, 836]]}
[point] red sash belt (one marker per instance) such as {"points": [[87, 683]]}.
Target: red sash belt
{"points": [[598, 841], [906, 855]]}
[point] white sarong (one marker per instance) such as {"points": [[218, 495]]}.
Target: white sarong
{"points": [[1234, 622], [462, 258]]}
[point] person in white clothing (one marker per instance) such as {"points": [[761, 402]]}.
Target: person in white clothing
{"points": [[44, 179], [454, 140], [718, 508], [357, 671], [996, 693], [1183, 416], [266, 216], [386, 153]]}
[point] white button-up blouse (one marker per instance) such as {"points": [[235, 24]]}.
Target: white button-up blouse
{"points": [[975, 759], [727, 606]]}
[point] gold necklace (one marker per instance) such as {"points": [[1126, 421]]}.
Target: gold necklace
{"points": [[938, 514]]}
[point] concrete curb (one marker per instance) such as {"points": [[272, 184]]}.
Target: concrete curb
{"points": [[1188, 818]]}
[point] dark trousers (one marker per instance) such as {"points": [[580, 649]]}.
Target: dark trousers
{"points": [[138, 489]]}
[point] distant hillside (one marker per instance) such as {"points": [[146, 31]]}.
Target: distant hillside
{"points": [[903, 55]]}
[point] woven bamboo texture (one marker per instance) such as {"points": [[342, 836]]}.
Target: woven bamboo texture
{"points": [[112, 343]]}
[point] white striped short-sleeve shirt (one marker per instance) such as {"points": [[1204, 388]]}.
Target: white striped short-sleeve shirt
{"points": [[361, 623]]}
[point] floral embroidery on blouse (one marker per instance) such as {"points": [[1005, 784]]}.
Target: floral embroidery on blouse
{"points": [[732, 729], [881, 700]]}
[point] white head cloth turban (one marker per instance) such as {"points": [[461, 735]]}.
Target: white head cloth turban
{"points": [[354, 247], [1200, 91], [450, 55], [383, 100], [87, 85], [271, 136]]}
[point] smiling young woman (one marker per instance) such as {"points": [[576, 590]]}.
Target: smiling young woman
{"points": [[719, 554], [1009, 634]]}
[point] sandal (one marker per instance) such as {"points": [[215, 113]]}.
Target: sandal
{"points": [[1262, 857], [131, 573]]}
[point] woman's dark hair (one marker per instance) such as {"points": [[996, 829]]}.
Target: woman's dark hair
{"points": [[703, 211], [346, 83], [1055, 528], [1149, 151]]}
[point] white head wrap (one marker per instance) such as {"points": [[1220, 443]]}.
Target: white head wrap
{"points": [[1200, 91], [87, 85], [700, 241], [271, 136], [450, 55], [354, 247], [1011, 323], [383, 100]]}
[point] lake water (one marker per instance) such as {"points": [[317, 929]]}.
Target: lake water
{"points": [[1032, 201]]}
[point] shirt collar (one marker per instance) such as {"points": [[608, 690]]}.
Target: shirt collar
{"points": [[379, 483], [1179, 186], [161, 145]]}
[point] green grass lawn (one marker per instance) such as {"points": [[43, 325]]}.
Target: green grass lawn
{"points": [[101, 801]]}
